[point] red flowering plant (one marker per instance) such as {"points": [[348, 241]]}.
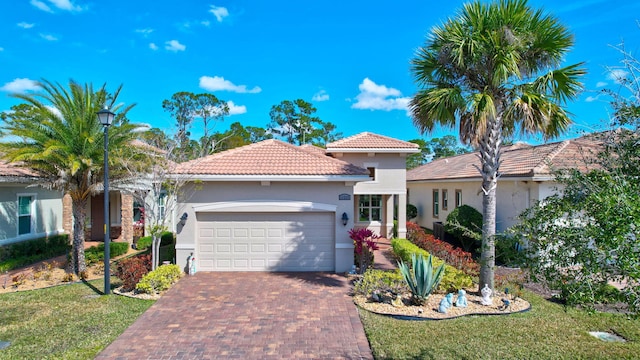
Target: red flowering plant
{"points": [[456, 257], [364, 245]]}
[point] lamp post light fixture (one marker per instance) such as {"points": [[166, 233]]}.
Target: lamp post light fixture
{"points": [[106, 118], [345, 219]]}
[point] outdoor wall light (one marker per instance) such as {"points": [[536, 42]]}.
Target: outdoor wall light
{"points": [[183, 218], [345, 218]]}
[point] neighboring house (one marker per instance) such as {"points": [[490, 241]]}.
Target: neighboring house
{"points": [[273, 206], [525, 176], [27, 210]]}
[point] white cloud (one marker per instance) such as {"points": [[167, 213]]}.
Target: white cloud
{"points": [[601, 84], [66, 5], [379, 97], [591, 98], [145, 32], [218, 83], [20, 85], [55, 111], [617, 75], [236, 109], [205, 23], [48, 37], [219, 12], [153, 46], [25, 25], [40, 5], [320, 96], [174, 45]]}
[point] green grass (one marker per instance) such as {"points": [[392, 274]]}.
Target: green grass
{"points": [[547, 331], [64, 322]]}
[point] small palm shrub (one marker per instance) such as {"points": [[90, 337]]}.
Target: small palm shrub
{"points": [[421, 278], [159, 279]]}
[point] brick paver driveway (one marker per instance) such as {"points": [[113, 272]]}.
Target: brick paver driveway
{"points": [[243, 315]]}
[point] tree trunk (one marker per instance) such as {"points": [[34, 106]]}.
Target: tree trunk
{"points": [[490, 148], [155, 251], [78, 263]]}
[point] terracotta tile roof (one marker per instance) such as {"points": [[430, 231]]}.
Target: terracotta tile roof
{"points": [[313, 149], [270, 157], [368, 140], [10, 169], [517, 161]]}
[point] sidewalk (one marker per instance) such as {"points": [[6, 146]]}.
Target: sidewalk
{"points": [[383, 258]]}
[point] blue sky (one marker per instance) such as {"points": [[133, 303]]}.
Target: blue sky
{"points": [[349, 58]]}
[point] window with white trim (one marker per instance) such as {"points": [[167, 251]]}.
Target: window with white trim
{"points": [[25, 214], [162, 205], [436, 203], [370, 207], [458, 197], [445, 199]]}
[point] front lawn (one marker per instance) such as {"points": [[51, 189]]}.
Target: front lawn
{"points": [[548, 331], [69, 321]]}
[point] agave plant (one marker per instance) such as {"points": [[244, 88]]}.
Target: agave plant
{"points": [[421, 277]]}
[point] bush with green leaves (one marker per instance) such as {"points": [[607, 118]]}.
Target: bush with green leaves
{"points": [[159, 279], [24, 253], [167, 238], [587, 236], [374, 280], [509, 250], [95, 254], [421, 277], [453, 278], [465, 224]]}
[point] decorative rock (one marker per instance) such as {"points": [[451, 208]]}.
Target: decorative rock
{"points": [[375, 297], [461, 301], [397, 302], [486, 296]]}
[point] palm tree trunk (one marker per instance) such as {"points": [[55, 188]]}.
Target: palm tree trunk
{"points": [[490, 148], [78, 263]]}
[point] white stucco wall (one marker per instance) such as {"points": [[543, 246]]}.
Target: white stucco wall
{"points": [[313, 192], [391, 173], [513, 197], [47, 215]]}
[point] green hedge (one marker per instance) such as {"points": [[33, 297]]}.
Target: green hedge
{"points": [[144, 242], [96, 253], [453, 278], [25, 253], [160, 279]]}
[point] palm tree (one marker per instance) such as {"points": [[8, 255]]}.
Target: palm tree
{"points": [[493, 71], [57, 133]]}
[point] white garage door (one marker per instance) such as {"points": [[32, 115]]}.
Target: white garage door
{"points": [[266, 242]]}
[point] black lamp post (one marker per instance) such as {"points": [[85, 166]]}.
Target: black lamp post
{"points": [[106, 118]]}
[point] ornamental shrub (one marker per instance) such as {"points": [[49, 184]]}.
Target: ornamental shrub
{"points": [[374, 280], [422, 277], [131, 270], [364, 246], [465, 224], [160, 279], [95, 254], [456, 257], [166, 238], [453, 278], [20, 254]]}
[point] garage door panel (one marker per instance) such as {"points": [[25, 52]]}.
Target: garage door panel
{"points": [[266, 242]]}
